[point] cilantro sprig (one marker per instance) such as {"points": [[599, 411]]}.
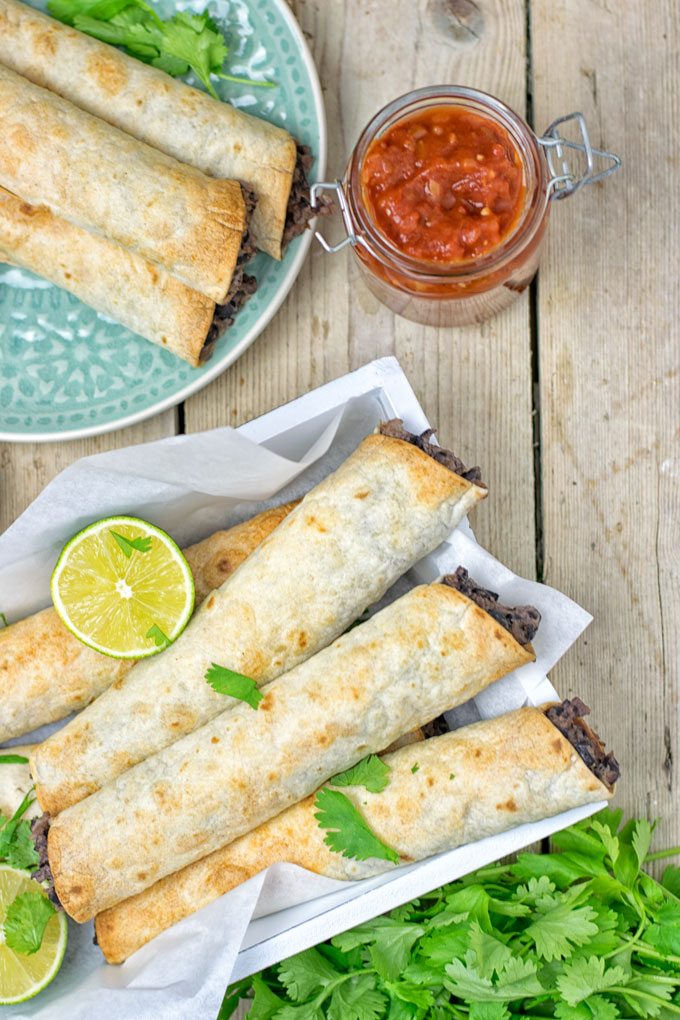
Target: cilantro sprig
{"points": [[235, 685], [25, 922], [16, 843], [347, 832], [372, 773], [581, 933], [127, 546], [185, 42], [13, 759]]}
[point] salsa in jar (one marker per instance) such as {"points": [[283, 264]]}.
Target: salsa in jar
{"points": [[445, 185]]}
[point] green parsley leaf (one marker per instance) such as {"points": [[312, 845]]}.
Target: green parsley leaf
{"points": [[370, 772], [130, 545], [586, 975], [13, 759], [155, 634], [304, 974], [235, 685], [26, 920], [347, 832]]}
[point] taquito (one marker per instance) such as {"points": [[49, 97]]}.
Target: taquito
{"points": [[428, 651], [95, 176], [148, 104], [46, 673], [337, 553], [111, 279], [453, 789]]}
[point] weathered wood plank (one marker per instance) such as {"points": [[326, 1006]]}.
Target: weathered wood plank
{"points": [[26, 468], [610, 382], [475, 384]]}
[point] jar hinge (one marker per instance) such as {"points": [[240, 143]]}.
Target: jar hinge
{"points": [[563, 180], [336, 186]]}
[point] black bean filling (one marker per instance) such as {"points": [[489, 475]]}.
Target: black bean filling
{"points": [[242, 284], [521, 621], [39, 829], [567, 717], [300, 211], [395, 429]]}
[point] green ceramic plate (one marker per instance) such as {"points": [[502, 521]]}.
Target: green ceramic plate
{"points": [[66, 371]]}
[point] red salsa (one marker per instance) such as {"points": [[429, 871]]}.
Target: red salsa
{"points": [[445, 185]]}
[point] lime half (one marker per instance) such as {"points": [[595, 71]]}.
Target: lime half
{"points": [[23, 976], [123, 587]]}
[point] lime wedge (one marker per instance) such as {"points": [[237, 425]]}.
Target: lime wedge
{"points": [[23, 976], [123, 587]]}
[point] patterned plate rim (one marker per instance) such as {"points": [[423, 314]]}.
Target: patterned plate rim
{"points": [[229, 357]]}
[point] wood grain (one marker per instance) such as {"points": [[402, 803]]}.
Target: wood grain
{"points": [[610, 383], [475, 384]]}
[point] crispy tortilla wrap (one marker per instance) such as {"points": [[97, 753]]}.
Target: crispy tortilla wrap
{"points": [[453, 789], [148, 104], [96, 177], [337, 553], [428, 651], [46, 673]]}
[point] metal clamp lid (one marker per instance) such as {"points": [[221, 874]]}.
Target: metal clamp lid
{"points": [[563, 181]]}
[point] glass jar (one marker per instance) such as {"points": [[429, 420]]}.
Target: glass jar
{"points": [[456, 294]]}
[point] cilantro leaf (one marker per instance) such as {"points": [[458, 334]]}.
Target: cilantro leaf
{"points": [[356, 999], [584, 976], [26, 920], [390, 943], [664, 934], [304, 974], [347, 832], [642, 839], [155, 634], [489, 954], [127, 546], [265, 1003], [21, 852], [671, 880], [177, 45], [370, 772], [13, 759], [235, 685], [559, 926], [489, 1011], [517, 979]]}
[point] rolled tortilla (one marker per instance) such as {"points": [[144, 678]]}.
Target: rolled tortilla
{"points": [[150, 105], [46, 673], [475, 782], [96, 177], [430, 650], [111, 279], [336, 554]]}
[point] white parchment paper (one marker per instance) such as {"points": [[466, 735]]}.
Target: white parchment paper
{"points": [[192, 485]]}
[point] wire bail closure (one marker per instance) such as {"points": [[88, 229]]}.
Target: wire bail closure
{"points": [[563, 182]]}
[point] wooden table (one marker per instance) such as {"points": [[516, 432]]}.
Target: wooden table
{"points": [[570, 401]]}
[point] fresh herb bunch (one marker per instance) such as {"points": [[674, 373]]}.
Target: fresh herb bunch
{"points": [[582, 934], [181, 43], [27, 916]]}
